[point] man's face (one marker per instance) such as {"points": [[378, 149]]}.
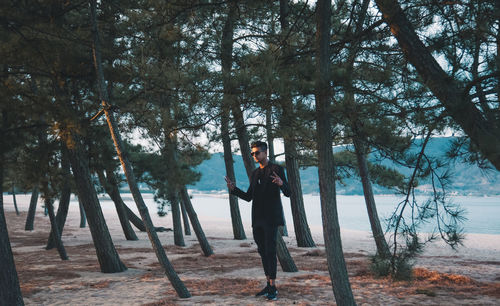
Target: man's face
{"points": [[258, 155]]}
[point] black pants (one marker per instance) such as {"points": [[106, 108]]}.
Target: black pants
{"points": [[265, 238]]}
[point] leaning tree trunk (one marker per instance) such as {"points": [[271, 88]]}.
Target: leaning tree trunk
{"points": [[378, 234], [483, 132], [185, 218], [110, 184], [226, 62], [30, 219], [10, 292], [326, 166], [176, 282], [106, 253], [62, 209], [205, 247]]}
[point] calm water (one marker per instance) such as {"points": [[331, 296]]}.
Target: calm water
{"points": [[482, 213]]}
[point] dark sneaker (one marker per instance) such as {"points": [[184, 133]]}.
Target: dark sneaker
{"points": [[272, 294], [264, 291]]}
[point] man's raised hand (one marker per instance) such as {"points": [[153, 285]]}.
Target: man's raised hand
{"points": [[276, 179], [230, 184]]}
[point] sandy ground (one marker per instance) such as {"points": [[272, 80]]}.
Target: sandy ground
{"points": [[469, 276]]}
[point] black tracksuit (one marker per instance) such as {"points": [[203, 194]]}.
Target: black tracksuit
{"points": [[267, 212]]}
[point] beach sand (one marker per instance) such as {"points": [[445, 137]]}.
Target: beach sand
{"points": [[233, 274]]}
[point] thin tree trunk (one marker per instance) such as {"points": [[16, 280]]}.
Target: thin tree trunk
{"points": [[62, 209], [30, 219], [10, 292], [185, 218], [83, 217], [205, 246], [110, 184], [326, 165], [484, 133], [176, 282], [132, 217], [14, 198], [226, 62], [378, 234]]}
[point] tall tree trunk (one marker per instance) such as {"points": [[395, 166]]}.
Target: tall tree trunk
{"points": [[378, 234], [484, 133], [10, 293], [185, 218], [62, 209], [360, 150], [326, 165], [176, 282], [302, 231], [14, 198], [106, 253], [207, 250], [226, 63], [83, 217], [110, 184], [132, 217], [30, 219]]}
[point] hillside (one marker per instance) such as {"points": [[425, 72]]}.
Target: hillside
{"points": [[466, 179]]}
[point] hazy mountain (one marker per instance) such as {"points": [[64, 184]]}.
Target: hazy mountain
{"points": [[465, 180]]}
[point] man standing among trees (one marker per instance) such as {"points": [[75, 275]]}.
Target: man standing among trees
{"points": [[267, 211]]}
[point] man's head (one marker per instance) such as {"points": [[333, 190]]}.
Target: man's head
{"points": [[259, 151]]}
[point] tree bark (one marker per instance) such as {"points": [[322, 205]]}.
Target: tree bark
{"points": [[83, 217], [226, 63], [326, 165], [484, 133], [30, 219], [205, 246], [10, 293], [178, 285], [110, 184], [62, 209], [185, 218]]}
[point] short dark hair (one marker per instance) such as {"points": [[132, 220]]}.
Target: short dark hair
{"points": [[259, 144]]}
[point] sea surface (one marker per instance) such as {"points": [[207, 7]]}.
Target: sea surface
{"points": [[482, 213]]}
